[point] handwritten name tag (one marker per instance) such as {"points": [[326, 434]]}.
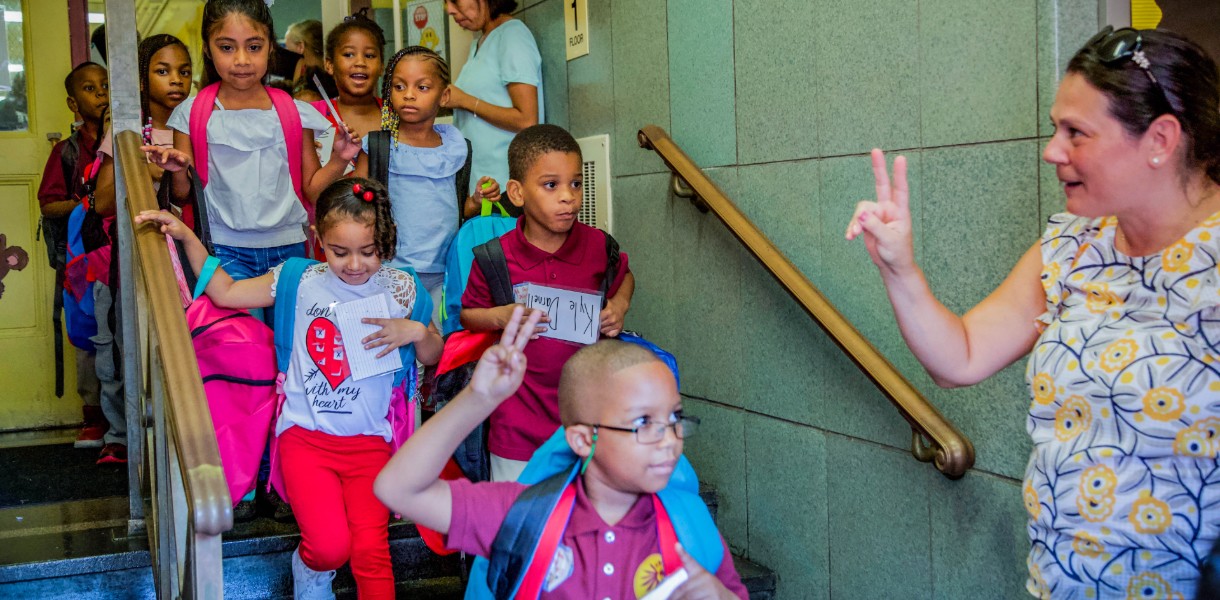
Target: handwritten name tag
{"points": [[574, 316]]}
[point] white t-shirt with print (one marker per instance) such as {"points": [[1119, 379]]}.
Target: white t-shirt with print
{"points": [[320, 394]]}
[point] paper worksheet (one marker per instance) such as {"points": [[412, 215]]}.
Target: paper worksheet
{"points": [[364, 363]]}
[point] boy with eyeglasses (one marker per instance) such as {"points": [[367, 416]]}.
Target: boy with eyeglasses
{"points": [[614, 507]]}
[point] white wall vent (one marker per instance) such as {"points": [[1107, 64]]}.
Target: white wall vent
{"points": [[595, 208]]}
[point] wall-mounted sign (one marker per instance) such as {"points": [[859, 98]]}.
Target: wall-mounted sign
{"points": [[425, 25], [576, 27]]}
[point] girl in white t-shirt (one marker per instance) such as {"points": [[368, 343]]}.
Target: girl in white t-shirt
{"points": [[333, 433]]}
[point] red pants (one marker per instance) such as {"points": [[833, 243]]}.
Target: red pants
{"points": [[330, 483]]}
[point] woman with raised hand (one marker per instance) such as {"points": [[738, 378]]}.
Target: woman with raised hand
{"points": [[1118, 307]]}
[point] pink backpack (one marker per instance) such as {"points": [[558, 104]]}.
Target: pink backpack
{"points": [[236, 355], [290, 122]]}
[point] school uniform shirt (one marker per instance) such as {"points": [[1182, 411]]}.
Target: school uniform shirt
{"points": [[251, 203], [523, 422], [423, 199], [508, 55], [320, 394], [594, 559]]}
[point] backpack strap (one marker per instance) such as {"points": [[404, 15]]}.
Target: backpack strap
{"points": [[493, 263], [201, 111], [290, 122], [421, 311], [205, 276], [379, 157], [528, 537], [612, 264], [461, 183], [692, 525], [485, 209], [285, 307]]}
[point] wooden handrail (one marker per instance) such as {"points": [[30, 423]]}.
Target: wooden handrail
{"points": [[950, 451], [207, 494]]}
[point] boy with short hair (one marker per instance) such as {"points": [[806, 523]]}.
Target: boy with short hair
{"points": [[62, 187], [617, 483], [548, 247]]}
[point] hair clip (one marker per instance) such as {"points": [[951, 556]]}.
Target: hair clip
{"points": [[1140, 59], [368, 195]]}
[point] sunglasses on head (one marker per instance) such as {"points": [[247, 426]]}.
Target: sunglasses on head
{"points": [[1114, 47]]}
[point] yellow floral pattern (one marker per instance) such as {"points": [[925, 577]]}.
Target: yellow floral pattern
{"points": [[1101, 297], [1150, 586], [1044, 388], [1164, 403], [1087, 545], [1176, 258], [1123, 488]]}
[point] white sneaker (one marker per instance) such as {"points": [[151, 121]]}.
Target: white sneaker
{"points": [[308, 584]]}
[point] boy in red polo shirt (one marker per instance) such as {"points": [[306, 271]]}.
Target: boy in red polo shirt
{"points": [[548, 247], [61, 189], [623, 431]]}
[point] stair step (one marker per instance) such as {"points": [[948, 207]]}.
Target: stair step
{"points": [[95, 559]]}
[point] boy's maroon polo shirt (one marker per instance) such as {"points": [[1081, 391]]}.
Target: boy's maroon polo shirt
{"points": [[523, 422], [594, 560]]}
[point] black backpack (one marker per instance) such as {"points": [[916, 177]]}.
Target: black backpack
{"points": [[473, 455]]}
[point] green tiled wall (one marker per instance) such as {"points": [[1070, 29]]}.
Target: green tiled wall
{"points": [[780, 101]]}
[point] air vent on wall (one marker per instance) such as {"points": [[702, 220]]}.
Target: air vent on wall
{"points": [[595, 207]]}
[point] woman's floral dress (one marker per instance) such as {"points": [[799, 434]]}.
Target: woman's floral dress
{"points": [[1123, 486]]}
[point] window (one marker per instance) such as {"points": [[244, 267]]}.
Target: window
{"points": [[14, 108]]}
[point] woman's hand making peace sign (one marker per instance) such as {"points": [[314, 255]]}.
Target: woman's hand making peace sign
{"points": [[886, 222]]}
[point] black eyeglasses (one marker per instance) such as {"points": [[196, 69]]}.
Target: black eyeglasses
{"points": [[651, 433], [1114, 47]]}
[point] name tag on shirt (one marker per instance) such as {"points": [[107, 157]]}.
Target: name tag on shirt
{"points": [[574, 316], [364, 363]]}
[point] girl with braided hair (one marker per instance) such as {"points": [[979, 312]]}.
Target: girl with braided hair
{"points": [[424, 161], [333, 432]]}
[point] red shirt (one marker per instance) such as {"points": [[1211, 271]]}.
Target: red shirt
{"points": [[594, 560], [523, 422], [55, 185]]}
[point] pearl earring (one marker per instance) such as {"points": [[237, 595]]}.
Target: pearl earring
{"points": [[1156, 160]]}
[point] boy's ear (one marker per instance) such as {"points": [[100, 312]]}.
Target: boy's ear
{"points": [[580, 439], [516, 193], [72, 106]]}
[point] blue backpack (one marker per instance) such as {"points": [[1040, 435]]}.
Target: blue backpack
{"points": [[78, 286], [474, 232]]}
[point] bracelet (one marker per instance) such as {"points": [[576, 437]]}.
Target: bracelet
{"points": [[475, 111]]}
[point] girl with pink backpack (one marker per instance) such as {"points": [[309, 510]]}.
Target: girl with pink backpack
{"points": [[252, 146], [335, 432]]}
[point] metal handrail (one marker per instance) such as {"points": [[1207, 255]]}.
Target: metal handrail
{"points": [[187, 506], [190, 500], [186, 407], [933, 438]]}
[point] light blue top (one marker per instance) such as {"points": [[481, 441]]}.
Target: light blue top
{"points": [[424, 200], [251, 203], [508, 55]]}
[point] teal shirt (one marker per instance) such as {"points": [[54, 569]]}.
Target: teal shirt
{"points": [[508, 55]]}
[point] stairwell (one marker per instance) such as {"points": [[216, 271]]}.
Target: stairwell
{"points": [[80, 550]]}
